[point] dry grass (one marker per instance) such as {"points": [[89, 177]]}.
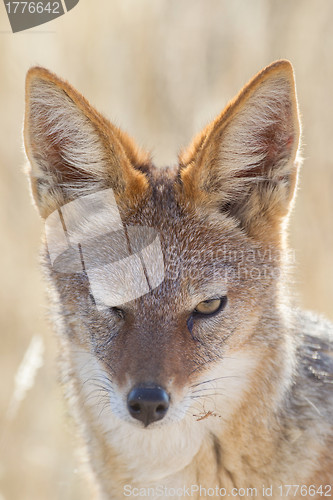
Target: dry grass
{"points": [[161, 69]]}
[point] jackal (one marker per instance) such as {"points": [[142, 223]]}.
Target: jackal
{"points": [[188, 369]]}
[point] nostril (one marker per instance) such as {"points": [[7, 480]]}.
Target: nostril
{"points": [[148, 404], [135, 407], [161, 409]]}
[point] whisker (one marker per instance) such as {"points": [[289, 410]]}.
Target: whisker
{"points": [[203, 389], [213, 380], [202, 396]]}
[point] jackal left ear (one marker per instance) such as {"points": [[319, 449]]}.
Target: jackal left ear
{"points": [[245, 161]]}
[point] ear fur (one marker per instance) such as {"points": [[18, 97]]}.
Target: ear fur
{"points": [[72, 149], [244, 162]]}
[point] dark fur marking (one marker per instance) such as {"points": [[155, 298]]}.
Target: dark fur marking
{"points": [[217, 451], [231, 477], [317, 359], [146, 168]]}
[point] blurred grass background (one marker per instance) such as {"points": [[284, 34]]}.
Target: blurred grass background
{"points": [[161, 69]]}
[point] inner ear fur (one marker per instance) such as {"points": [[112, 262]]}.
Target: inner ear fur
{"points": [[72, 149], [245, 161]]}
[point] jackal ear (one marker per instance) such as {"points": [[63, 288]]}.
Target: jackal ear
{"points": [[245, 161], [72, 149]]}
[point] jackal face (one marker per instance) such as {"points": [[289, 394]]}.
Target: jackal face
{"points": [[164, 279]]}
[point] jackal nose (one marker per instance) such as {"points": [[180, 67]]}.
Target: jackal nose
{"points": [[148, 404]]}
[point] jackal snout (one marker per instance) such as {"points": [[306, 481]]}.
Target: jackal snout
{"points": [[148, 404]]}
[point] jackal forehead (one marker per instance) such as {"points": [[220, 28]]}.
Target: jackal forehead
{"points": [[161, 249]]}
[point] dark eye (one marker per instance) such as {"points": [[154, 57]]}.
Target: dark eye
{"points": [[210, 307], [120, 313]]}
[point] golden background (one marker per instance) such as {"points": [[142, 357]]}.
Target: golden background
{"points": [[160, 69]]}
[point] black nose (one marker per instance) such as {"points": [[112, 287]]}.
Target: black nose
{"points": [[148, 404]]}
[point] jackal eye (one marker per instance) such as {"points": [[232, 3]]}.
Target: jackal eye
{"points": [[210, 307]]}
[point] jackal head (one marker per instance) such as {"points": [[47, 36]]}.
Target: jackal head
{"points": [[167, 283]]}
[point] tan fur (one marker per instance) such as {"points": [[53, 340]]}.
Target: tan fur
{"points": [[251, 387], [267, 99], [114, 150]]}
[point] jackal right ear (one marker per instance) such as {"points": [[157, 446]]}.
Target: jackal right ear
{"points": [[244, 162], [72, 149]]}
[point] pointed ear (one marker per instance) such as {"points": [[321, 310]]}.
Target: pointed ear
{"points": [[72, 149], [244, 163]]}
